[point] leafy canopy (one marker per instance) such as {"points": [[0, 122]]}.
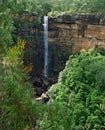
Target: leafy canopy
{"points": [[78, 97]]}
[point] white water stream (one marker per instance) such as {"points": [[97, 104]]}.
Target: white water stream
{"points": [[45, 46]]}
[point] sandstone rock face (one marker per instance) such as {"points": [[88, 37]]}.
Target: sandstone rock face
{"points": [[77, 32], [67, 34]]}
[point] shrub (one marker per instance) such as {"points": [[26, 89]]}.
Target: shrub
{"points": [[18, 108], [80, 93]]}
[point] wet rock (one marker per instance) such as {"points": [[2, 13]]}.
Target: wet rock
{"points": [[41, 85], [44, 98]]}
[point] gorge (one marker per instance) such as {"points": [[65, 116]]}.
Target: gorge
{"points": [[67, 34]]}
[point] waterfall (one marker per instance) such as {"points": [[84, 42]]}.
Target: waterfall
{"points": [[45, 46]]}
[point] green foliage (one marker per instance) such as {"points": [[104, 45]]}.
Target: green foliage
{"points": [[71, 6], [42, 7], [96, 6], [54, 119], [78, 6], [6, 26], [18, 108], [14, 55], [80, 93], [54, 7]]}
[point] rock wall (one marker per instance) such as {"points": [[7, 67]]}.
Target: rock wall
{"points": [[77, 31], [67, 34]]}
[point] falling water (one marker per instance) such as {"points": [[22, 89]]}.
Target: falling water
{"points": [[45, 46]]}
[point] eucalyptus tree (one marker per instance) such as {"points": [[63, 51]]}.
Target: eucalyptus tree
{"points": [[17, 109]]}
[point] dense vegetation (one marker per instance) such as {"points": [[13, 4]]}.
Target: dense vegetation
{"points": [[17, 105], [76, 102], [18, 110], [56, 7]]}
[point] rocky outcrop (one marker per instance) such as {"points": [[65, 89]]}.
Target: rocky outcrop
{"points": [[67, 34], [77, 31]]}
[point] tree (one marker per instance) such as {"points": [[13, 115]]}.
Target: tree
{"points": [[17, 107], [79, 93], [96, 6]]}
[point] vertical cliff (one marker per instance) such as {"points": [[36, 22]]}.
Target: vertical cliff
{"points": [[67, 34], [78, 31]]}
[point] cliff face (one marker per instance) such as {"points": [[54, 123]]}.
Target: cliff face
{"points": [[77, 32], [67, 34]]}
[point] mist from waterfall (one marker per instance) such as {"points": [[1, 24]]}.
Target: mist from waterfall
{"points": [[45, 46]]}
